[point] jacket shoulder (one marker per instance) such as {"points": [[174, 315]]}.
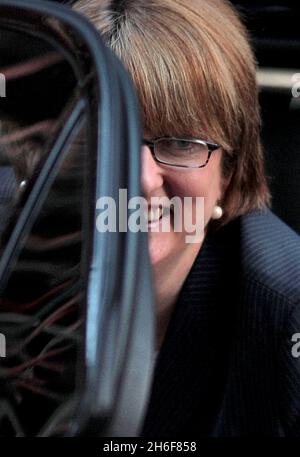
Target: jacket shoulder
{"points": [[270, 253]]}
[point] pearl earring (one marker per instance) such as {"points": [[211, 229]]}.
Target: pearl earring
{"points": [[217, 213]]}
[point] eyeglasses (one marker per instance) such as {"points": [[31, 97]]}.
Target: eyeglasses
{"points": [[181, 152]]}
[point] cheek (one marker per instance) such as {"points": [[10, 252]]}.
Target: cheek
{"points": [[197, 183]]}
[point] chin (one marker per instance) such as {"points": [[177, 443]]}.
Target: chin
{"points": [[157, 250], [163, 246]]}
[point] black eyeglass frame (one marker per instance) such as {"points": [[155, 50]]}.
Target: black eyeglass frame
{"points": [[211, 147]]}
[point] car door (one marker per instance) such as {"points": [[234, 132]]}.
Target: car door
{"points": [[76, 306]]}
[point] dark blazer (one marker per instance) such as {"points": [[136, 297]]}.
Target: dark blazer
{"points": [[226, 366]]}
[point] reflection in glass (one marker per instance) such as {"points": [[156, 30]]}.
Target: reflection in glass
{"points": [[40, 312]]}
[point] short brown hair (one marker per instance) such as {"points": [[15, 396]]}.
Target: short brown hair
{"points": [[195, 74]]}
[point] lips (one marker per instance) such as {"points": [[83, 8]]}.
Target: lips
{"points": [[154, 217], [154, 214]]}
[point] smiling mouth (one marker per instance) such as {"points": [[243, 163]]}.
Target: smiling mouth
{"points": [[154, 215]]}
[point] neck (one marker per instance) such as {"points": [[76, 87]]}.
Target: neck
{"points": [[169, 277]]}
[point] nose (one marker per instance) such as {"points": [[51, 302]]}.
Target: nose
{"points": [[152, 177]]}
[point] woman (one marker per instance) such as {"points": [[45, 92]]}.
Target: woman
{"points": [[227, 305]]}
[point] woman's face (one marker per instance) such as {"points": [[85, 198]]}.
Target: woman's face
{"points": [[160, 180]]}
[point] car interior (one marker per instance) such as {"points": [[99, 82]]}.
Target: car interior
{"points": [[76, 305]]}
